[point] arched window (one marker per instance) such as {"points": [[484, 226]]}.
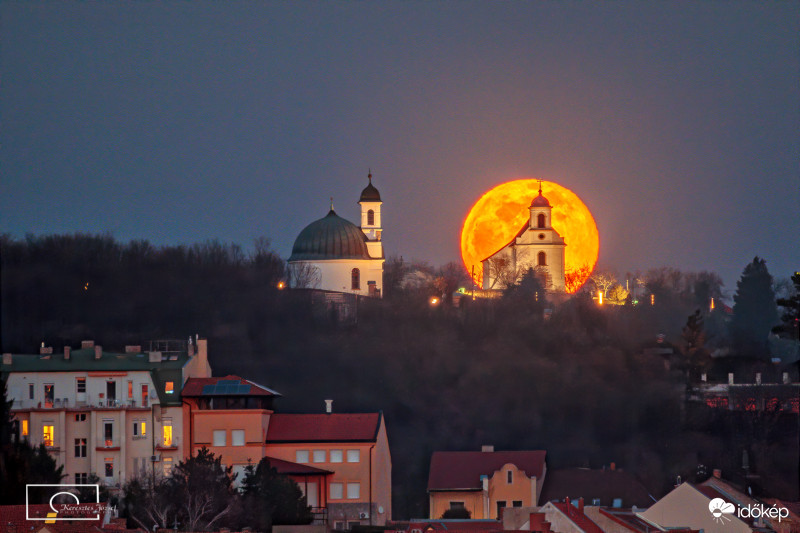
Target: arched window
{"points": [[370, 218], [540, 221], [542, 259], [355, 279]]}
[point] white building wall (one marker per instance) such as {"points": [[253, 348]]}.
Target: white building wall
{"points": [[335, 274]]}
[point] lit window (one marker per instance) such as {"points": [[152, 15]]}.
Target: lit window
{"points": [[130, 390], [336, 456], [353, 491], [139, 428], [353, 456], [169, 388], [80, 447], [219, 437], [237, 437], [48, 435], [80, 385], [167, 428], [319, 456], [336, 491], [109, 470], [49, 395], [24, 428], [301, 456], [355, 279], [167, 466]]}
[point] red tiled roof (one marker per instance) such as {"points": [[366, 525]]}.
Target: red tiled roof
{"points": [[13, 517], [463, 470], [627, 518], [289, 468], [196, 386], [577, 516], [326, 427], [605, 485]]}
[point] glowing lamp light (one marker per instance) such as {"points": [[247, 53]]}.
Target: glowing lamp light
{"points": [[711, 307], [281, 285], [652, 299], [434, 300], [600, 297]]}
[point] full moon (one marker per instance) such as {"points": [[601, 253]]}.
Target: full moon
{"points": [[501, 212]]}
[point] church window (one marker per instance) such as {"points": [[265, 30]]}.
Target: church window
{"points": [[540, 220], [370, 218], [355, 278], [542, 259]]}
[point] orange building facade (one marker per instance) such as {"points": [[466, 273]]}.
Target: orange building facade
{"points": [[341, 461], [484, 482]]}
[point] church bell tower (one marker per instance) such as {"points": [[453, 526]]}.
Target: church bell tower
{"points": [[370, 202]]}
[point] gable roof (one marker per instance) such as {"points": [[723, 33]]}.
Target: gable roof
{"points": [[325, 427], [463, 470], [225, 386], [605, 485], [577, 517]]}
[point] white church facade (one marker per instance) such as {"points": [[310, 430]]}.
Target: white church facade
{"points": [[333, 254], [536, 246]]}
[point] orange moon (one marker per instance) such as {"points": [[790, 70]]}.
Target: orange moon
{"points": [[501, 212]]}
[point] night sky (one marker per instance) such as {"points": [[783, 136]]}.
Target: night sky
{"points": [[677, 123]]}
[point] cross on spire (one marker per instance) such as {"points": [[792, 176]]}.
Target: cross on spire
{"points": [[540, 187], [331, 203], [369, 176]]}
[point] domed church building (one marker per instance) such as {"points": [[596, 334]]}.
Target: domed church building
{"points": [[333, 254]]}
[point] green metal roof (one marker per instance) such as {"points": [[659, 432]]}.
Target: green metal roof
{"points": [[83, 361], [331, 237]]}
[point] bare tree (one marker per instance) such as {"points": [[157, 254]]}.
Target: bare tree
{"points": [[603, 280], [304, 275], [505, 272]]}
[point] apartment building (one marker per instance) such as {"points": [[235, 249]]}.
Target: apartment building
{"points": [[116, 415]]}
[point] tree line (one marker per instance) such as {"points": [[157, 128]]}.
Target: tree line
{"points": [[520, 372]]}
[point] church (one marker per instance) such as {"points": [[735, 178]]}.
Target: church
{"points": [[536, 246], [333, 254]]}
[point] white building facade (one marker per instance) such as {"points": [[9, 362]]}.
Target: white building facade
{"points": [[333, 254], [537, 246], [115, 415]]}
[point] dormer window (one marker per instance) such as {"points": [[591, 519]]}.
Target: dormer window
{"points": [[540, 220]]}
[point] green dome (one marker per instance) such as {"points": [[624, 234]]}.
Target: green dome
{"points": [[331, 237]]}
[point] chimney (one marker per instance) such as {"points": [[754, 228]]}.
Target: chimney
{"points": [[87, 344], [580, 501], [7, 358], [718, 473], [154, 357], [730, 378], [329, 406], [487, 448], [202, 355], [45, 349], [568, 502], [98, 352], [612, 466], [67, 353]]}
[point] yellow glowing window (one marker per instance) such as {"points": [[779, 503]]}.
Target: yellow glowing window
{"points": [[24, 428], [47, 435], [168, 435], [169, 388], [143, 430]]}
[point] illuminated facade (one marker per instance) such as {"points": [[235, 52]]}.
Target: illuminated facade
{"points": [[537, 246], [116, 415], [333, 254]]}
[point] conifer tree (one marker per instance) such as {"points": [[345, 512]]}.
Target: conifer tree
{"points": [[754, 310]]}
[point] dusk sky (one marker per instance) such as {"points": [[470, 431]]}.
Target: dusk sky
{"points": [[677, 123]]}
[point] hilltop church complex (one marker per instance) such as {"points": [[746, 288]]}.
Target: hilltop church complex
{"points": [[333, 254]]}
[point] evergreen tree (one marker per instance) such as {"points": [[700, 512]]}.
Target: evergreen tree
{"points": [[790, 319], [754, 310], [270, 498]]}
